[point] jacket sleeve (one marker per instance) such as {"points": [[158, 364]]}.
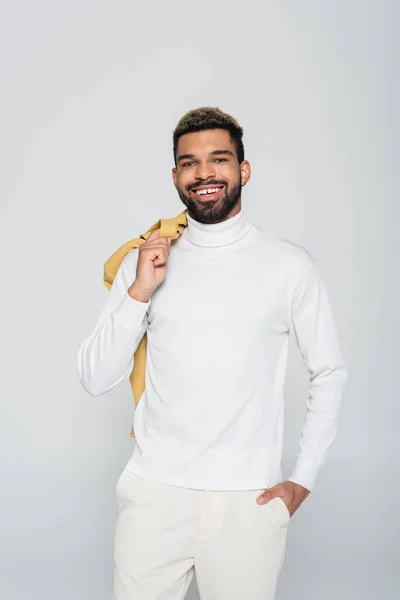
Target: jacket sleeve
{"points": [[316, 336], [105, 357]]}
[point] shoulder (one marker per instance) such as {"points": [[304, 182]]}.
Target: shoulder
{"points": [[130, 261], [294, 258]]}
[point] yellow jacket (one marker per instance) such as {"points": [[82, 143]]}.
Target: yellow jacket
{"points": [[172, 228]]}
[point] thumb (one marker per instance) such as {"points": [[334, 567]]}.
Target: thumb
{"points": [[266, 496]]}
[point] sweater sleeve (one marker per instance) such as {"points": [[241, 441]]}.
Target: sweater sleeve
{"points": [[105, 357], [316, 336]]}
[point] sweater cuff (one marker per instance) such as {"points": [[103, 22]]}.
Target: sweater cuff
{"points": [[305, 473], [130, 312]]}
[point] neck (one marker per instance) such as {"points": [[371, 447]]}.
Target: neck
{"points": [[215, 235]]}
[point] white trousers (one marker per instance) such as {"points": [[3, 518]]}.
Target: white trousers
{"points": [[165, 534]]}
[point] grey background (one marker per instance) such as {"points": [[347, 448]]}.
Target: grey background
{"points": [[91, 92]]}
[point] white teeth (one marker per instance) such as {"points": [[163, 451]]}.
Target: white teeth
{"points": [[210, 191]]}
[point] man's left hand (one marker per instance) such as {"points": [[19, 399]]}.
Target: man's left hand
{"points": [[293, 494]]}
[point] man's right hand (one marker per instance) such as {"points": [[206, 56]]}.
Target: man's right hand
{"points": [[151, 267]]}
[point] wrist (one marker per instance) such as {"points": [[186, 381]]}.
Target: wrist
{"points": [[137, 293], [299, 489]]}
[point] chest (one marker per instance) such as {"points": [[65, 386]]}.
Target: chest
{"points": [[222, 293]]}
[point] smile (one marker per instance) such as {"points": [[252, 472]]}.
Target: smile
{"points": [[209, 193]]}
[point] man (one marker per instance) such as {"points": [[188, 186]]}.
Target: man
{"points": [[203, 489]]}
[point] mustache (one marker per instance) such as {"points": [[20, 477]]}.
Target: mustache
{"points": [[198, 184]]}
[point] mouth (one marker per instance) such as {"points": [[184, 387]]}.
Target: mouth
{"points": [[208, 192]]}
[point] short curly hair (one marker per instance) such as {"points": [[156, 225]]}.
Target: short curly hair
{"points": [[208, 117]]}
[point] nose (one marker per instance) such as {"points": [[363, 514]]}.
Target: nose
{"points": [[204, 170]]}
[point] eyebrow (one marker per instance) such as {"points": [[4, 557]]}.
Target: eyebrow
{"points": [[214, 153]]}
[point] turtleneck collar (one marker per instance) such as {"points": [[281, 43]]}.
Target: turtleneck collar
{"points": [[215, 235]]}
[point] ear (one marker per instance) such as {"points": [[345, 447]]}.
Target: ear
{"points": [[174, 175], [245, 171]]}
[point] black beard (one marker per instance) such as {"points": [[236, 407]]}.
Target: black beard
{"points": [[211, 211]]}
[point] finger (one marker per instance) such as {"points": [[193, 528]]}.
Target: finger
{"points": [[155, 237], [159, 243], [160, 260], [157, 255], [164, 240], [156, 248], [153, 234], [264, 497]]}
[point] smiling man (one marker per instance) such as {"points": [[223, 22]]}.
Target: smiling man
{"points": [[203, 491], [210, 156]]}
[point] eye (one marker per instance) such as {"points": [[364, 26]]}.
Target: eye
{"points": [[187, 163], [223, 159]]}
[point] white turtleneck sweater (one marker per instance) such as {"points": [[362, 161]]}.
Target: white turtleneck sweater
{"points": [[211, 416]]}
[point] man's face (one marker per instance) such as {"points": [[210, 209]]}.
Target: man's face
{"points": [[207, 160]]}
